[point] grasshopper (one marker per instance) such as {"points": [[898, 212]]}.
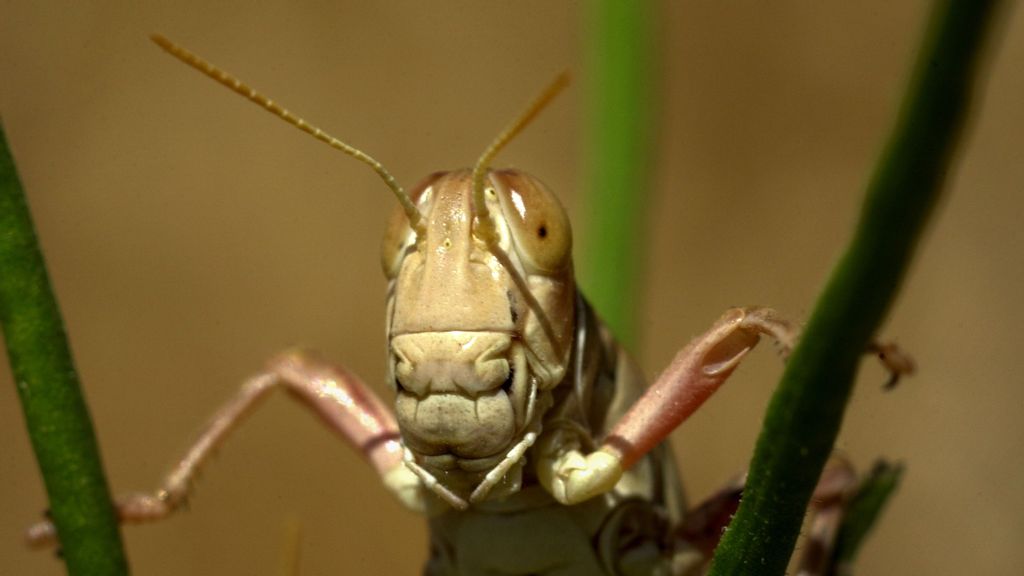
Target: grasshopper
{"points": [[518, 419]]}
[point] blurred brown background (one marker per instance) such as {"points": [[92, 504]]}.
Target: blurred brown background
{"points": [[190, 236]]}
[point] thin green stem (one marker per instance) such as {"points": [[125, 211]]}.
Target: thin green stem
{"points": [[807, 409], [620, 60], [55, 412]]}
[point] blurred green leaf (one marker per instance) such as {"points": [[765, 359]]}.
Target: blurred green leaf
{"points": [[620, 84]]}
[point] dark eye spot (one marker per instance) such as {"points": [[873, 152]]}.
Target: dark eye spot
{"points": [[542, 231], [507, 384]]}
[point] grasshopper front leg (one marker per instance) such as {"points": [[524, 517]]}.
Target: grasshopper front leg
{"points": [[696, 372], [338, 397], [692, 377]]}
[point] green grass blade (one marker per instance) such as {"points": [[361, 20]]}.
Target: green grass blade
{"points": [[619, 81], [806, 410], [55, 412], [862, 513]]}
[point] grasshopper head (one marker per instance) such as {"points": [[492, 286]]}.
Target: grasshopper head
{"points": [[479, 332]]}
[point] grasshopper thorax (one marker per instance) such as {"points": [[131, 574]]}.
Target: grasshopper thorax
{"points": [[478, 332]]}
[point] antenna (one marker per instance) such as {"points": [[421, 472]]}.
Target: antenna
{"points": [[414, 216], [486, 230]]}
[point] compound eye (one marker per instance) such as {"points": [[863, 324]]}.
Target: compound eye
{"points": [[399, 234], [540, 228]]}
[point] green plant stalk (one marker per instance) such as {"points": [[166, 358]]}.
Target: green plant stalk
{"points": [[55, 411], [806, 410], [619, 79]]}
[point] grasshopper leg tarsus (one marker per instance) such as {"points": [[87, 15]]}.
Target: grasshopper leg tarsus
{"points": [[893, 359], [572, 476]]}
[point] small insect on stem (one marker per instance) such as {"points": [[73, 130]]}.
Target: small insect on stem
{"points": [[517, 418]]}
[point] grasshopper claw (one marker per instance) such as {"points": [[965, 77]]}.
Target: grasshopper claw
{"points": [[573, 478]]}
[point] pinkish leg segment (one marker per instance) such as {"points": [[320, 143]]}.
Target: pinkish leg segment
{"points": [[338, 397], [696, 372]]}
